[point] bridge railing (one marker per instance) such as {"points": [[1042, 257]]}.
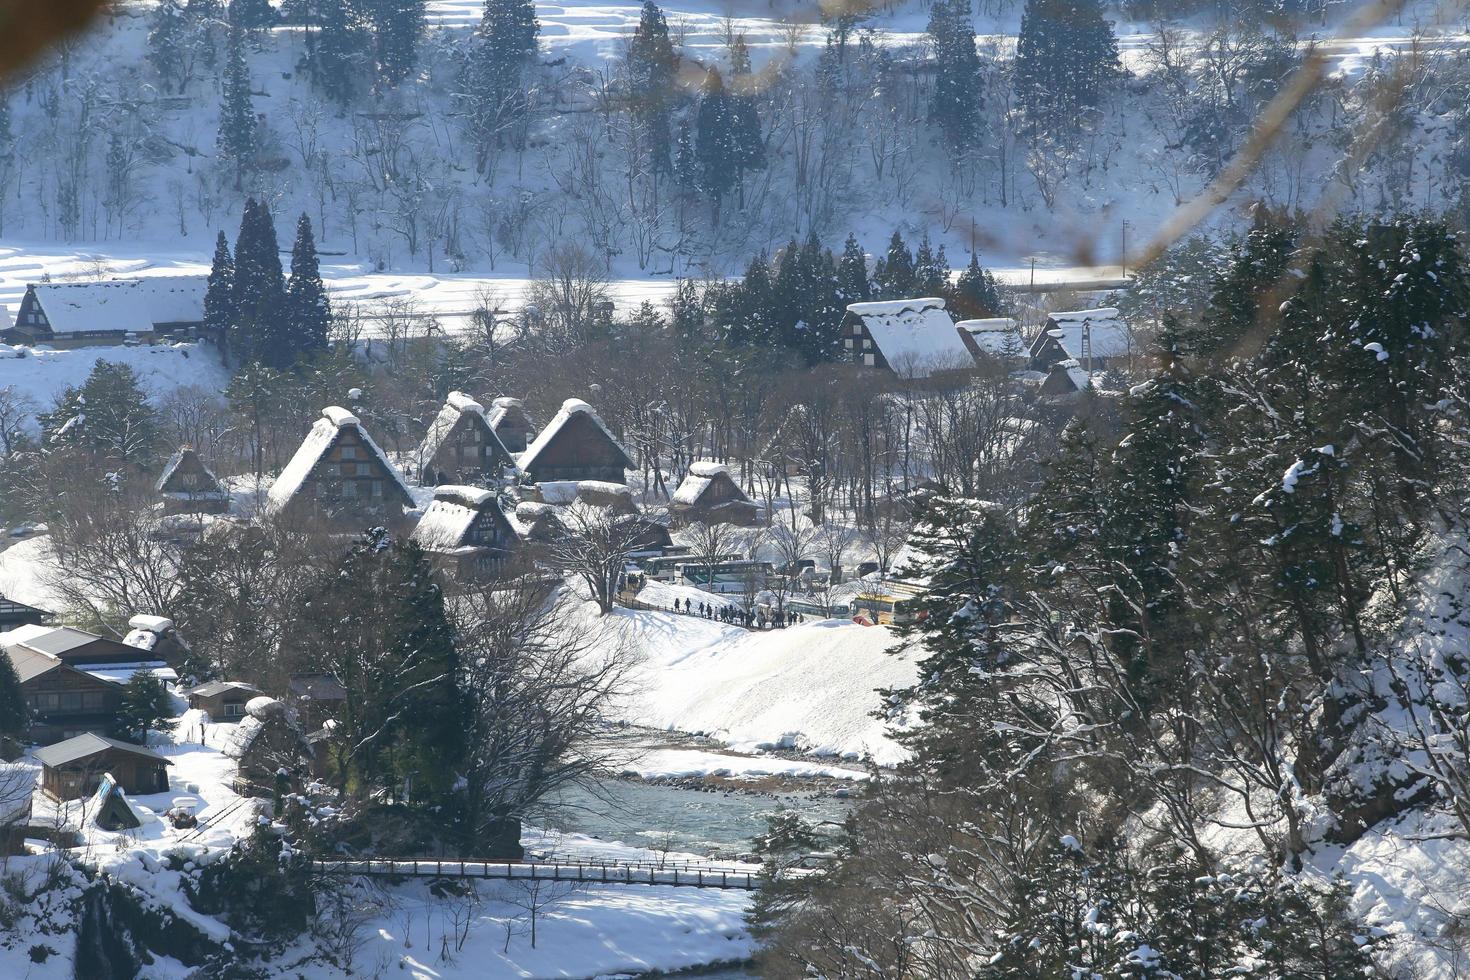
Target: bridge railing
{"points": [[604, 873]]}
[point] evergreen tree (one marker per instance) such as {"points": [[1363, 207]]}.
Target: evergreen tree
{"points": [[715, 145], [251, 15], [308, 309], [505, 44], [167, 40], [1253, 273], [108, 415], [977, 295], [748, 144], [853, 285], [145, 706], [1066, 56], [339, 51], [15, 711], [259, 298], [931, 270], [686, 161], [237, 136], [651, 68], [895, 272], [398, 26], [686, 311], [219, 294], [956, 101]]}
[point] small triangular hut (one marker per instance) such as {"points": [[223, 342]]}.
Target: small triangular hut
{"points": [[511, 423], [465, 531], [189, 487], [340, 474], [461, 447], [576, 445], [709, 495]]}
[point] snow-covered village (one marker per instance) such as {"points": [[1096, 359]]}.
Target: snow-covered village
{"points": [[887, 489]]}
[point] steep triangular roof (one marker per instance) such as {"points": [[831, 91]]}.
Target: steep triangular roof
{"points": [[1106, 331], [459, 409], [703, 477], [185, 462], [573, 409], [318, 442], [508, 414], [453, 513], [915, 336]]}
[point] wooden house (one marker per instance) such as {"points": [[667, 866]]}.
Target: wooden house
{"points": [[648, 536], [461, 447], [72, 769], [189, 487], [1095, 339], [911, 338], [14, 613], [223, 701], [537, 523], [268, 747], [63, 700], [511, 424], [465, 531], [339, 475], [576, 445], [1065, 379], [996, 339], [100, 656], [113, 311], [617, 497], [709, 495]]}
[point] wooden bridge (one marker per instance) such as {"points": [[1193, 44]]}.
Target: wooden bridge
{"points": [[677, 875]]}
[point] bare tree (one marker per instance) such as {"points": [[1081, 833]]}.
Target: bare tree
{"points": [[16, 410], [710, 543], [570, 291], [594, 547]]}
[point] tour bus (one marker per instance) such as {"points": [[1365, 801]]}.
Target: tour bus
{"points": [[888, 604], [726, 577], [666, 567]]}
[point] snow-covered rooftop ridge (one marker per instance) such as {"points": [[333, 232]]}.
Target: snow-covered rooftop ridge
{"points": [[603, 486], [339, 416], [465, 403], [469, 496], [894, 307], [1077, 316], [915, 336], [707, 469], [570, 408], [154, 624], [133, 305], [1001, 324], [506, 402]]}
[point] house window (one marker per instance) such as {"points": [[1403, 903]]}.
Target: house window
{"points": [[349, 452], [349, 489], [868, 360], [234, 709], [93, 701], [377, 488]]}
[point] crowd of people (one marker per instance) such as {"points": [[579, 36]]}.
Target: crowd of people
{"points": [[750, 619]]}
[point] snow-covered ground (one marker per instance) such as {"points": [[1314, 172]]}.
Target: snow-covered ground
{"points": [[811, 688]]}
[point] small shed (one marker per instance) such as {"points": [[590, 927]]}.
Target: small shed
{"points": [[190, 487], [511, 424], [461, 446], [710, 495], [466, 531], [576, 445], [223, 701], [73, 769]]}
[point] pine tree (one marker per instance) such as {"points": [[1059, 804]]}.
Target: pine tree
{"points": [[686, 311], [308, 309], [15, 711], [895, 275], [219, 294], [931, 270], [145, 706], [748, 144], [1241, 293], [505, 44], [976, 294], [1066, 56], [167, 39], [339, 51], [251, 15], [686, 161], [259, 297], [853, 285], [237, 137], [651, 68], [715, 143], [398, 26], [956, 102]]}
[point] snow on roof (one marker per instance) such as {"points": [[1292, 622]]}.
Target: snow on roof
{"points": [[570, 408], [915, 336], [244, 734], [560, 492], [701, 476], [1109, 334], [996, 336], [154, 624], [603, 486], [316, 444], [455, 406], [169, 468], [448, 519], [24, 634], [89, 744], [501, 407], [122, 673], [134, 305], [211, 688], [1079, 378]]}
